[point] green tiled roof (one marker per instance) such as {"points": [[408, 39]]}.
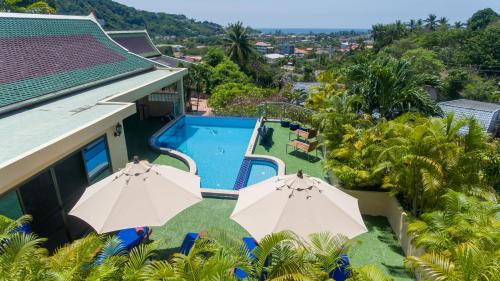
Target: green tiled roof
{"points": [[138, 42], [41, 55]]}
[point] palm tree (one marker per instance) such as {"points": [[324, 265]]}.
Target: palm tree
{"points": [[443, 23], [431, 22], [464, 263], [420, 23], [460, 240], [461, 219], [237, 46], [412, 24], [21, 255], [410, 154], [458, 24], [391, 87], [400, 28], [199, 79]]}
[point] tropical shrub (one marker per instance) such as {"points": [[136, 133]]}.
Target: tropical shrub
{"points": [[418, 158], [390, 87], [279, 256], [461, 240], [227, 72], [238, 98]]}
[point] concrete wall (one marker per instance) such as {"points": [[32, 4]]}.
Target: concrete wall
{"points": [[383, 204]]}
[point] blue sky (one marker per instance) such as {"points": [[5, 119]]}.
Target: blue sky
{"points": [[314, 13]]}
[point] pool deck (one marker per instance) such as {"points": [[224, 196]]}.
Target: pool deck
{"points": [[378, 246]]}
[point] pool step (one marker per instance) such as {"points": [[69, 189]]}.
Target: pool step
{"points": [[241, 180]]}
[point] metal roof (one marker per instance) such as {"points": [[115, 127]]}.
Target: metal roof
{"points": [[25, 131], [305, 86], [487, 114], [139, 42], [136, 41], [46, 56]]}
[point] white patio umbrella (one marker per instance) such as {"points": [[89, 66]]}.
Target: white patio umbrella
{"points": [[141, 194], [298, 203]]}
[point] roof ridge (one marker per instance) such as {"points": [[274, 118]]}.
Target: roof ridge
{"points": [[127, 31], [44, 16]]}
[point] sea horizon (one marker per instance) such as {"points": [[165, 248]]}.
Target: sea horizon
{"points": [[305, 30]]}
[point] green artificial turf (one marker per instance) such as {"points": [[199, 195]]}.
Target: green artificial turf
{"points": [[137, 134], [378, 246], [294, 160], [211, 213]]}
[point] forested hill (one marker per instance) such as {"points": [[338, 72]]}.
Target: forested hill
{"points": [[122, 17]]}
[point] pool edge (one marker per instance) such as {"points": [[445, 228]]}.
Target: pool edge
{"points": [[253, 142], [212, 192], [172, 152]]}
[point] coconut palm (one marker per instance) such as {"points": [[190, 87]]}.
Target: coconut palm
{"points": [[420, 23], [412, 25], [458, 24], [431, 22], [443, 23], [238, 47]]}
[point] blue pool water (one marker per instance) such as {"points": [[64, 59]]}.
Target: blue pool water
{"points": [[216, 144], [260, 171]]}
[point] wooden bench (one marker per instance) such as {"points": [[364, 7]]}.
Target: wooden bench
{"points": [[306, 135], [303, 146]]}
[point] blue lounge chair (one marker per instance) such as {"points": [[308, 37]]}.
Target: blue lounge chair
{"points": [[130, 238], [251, 244], [23, 228], [188, 242], [342, 272]]}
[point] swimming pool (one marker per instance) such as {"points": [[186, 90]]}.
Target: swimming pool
{"points": [[261, 171], [216, 144]]}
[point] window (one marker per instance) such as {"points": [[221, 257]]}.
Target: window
{"points": [[96, 159], [9, 206]]}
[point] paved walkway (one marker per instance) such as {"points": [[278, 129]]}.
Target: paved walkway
{"points": [[202, 107]]}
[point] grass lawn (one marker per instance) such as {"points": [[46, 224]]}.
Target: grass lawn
{"points": [[294, 160], [379, 246]]}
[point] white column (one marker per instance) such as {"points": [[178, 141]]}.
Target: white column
{"points": [[117, 145], [180, 91]]}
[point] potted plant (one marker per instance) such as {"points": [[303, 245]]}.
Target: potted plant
{"points": [[294, 125], [285, 122]]}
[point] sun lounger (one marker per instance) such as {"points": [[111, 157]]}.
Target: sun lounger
{"points": [[251, 244], [265, 134], [342, 272], [188, 242], [303, 146], [131, 237]]}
